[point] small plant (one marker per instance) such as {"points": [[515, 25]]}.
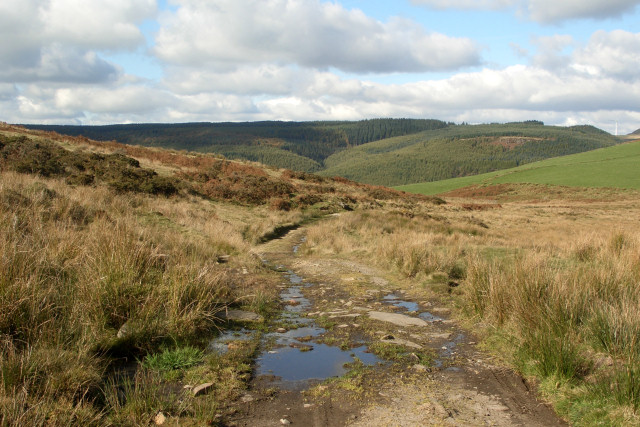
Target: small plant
{"points": [[175, 359]]}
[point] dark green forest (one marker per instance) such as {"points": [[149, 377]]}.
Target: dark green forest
{"points": [[268, 142], [379, 151]]}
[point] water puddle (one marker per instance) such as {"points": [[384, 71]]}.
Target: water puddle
{"points": [[295, 358], [296, 369], [220, 344], [447, 350], [395, 300], [429, 317]]}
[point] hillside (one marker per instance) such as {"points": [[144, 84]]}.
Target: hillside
{"points": [[460, 151], [613, 167], [381, 151], [300, 146]]}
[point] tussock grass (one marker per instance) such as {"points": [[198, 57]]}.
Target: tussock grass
{"points": [[560, 306], [86, 277]]}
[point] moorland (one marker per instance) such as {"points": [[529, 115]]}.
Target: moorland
{"points": [[120, 265]]}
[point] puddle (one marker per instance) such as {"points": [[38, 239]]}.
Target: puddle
{"points": [[296, 248], [429, 317], [220, 343], [294, 358], [447, 351], [395, 300], [295, 369]]}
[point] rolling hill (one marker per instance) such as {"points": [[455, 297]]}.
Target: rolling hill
{"points": [[615, 167], [381, 151]]}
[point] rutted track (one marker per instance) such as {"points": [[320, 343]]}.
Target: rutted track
{"points": [[459, 385]]}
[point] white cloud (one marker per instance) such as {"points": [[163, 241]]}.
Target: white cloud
{"points": [[554, 11], [543, 11], [246, 80], [95, 24], [615, 54], [465, 4], [309, 33], [57, 40]]}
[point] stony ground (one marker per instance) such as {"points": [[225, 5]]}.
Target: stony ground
{"points": [[434, 374]]}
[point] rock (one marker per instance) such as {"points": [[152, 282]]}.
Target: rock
{"points": [[420, 368], [241, 316], [281, 330], [159, 419], [344, 325], [399, 341], [202, 389], [397, 319], [284, 421], [125, 330], [247, 398], [307, 405]]}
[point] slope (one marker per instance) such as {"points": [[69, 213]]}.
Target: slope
{"points": [[294, 145], [615, 167], [460, 151]]}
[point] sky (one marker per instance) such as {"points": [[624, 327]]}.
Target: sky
{"points": [[93, 62]]}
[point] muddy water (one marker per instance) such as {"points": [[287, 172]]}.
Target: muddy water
{"points": [[295, 358]]}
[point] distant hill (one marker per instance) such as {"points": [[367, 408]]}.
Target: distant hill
{"points": [[380, 151], [461, 150], [614, 167], [299, 146]]}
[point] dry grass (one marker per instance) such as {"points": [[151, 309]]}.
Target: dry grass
{"points": [[556, 282], [77, 264]]}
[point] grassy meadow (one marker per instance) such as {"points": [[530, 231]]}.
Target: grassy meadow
{"points": [[614, 167]]}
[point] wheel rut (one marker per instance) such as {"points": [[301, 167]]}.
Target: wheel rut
{"points": [[427, 371]]}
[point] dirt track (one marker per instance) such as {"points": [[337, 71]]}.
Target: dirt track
{"points": [[460, 386]]}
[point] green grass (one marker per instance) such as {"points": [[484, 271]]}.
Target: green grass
{"points": [[614, 167]]}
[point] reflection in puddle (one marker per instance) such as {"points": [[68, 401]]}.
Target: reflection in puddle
{"points": [[395, 300], [295, 358], [294, 367], [447, 351], [220, 344], [429, 317]]}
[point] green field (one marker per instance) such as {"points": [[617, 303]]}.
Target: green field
{"points": [[615, 167]]}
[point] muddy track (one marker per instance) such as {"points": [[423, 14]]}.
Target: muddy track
{"points": [[355, 304]]}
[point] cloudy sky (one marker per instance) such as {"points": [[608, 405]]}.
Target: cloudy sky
{"points": [[563, 62]]}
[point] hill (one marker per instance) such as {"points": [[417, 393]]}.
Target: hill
{"points": [[614, 167], [461, 150], [300, 146], [380, 152]]}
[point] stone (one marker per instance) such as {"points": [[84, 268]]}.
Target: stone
{"points": [[397, 319], [125, 330], [202, 389], [281, 330], [247, 398], [420, 368], [159, 419], [399, 341], [284, 421], [241, 316]]}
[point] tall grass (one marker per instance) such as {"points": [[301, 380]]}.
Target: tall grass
{"points": [[567, 309], [85, 276]]}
